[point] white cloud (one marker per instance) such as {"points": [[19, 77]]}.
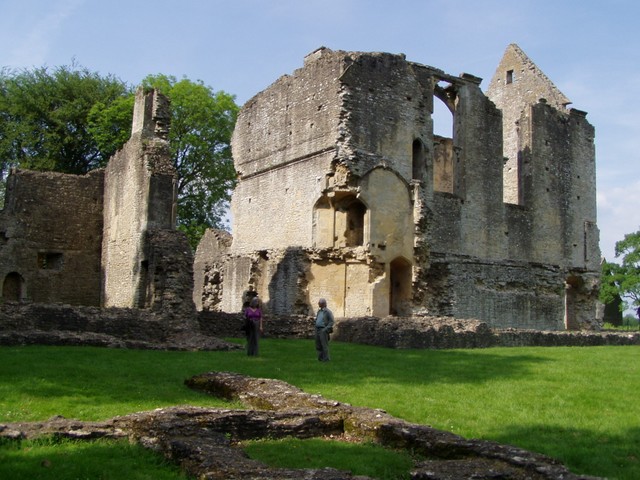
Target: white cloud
{"points": [[618, 214]]}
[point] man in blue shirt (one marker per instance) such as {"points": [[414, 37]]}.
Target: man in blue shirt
{"points": [[324, 326]]}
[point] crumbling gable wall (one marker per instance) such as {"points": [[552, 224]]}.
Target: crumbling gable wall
{"points": [[50, 237]]}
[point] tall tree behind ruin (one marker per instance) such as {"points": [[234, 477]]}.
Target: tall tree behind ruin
{"points": [[44, 118], [622, 279], [202, 122], [71, 120]]}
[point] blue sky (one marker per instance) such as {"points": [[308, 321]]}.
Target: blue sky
{"points": [[589, 48]]}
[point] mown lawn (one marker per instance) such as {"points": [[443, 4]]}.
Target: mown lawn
{"points": [[579, 405]]}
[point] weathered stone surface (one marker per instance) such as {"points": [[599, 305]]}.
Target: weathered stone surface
{"points": [[358, 201], [107, 238], [44, 324], [204, 441]]}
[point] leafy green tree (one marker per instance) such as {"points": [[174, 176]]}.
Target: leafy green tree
{"points": [[44, 118], [72, 120], [623, 279], [202, 122]]}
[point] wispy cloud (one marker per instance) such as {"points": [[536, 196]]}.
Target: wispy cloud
{"points": [[30, 30]]}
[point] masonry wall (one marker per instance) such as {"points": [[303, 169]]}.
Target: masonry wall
{"points": [[339, 162], [139, 196], [50, 237]]}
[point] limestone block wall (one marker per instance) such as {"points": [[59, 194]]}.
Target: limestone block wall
{"points": [[559, 188], [516, 84], [50, 237], [294, 118], [168, 274], [275, 210], [139, 195], [389, 106]]}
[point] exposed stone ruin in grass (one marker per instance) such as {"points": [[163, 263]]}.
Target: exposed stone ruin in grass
{"points": [[204, 441]]}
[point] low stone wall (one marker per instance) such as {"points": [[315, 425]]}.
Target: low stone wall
{"points": [[220, 324], [52, 324], [414, 332], [446, 332]]}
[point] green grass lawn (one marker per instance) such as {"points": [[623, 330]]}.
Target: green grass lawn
{"points": [[579, 405]]}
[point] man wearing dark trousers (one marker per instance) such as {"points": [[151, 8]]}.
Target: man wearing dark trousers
{"points": [[324, 326]]}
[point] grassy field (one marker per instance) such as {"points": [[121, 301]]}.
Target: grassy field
{"points": [[579, 405]]}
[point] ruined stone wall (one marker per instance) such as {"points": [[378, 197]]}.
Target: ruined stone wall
{"points": [[139, 195], [50, 237], [340, 161], [559, 188], [208, 268], [168, 274], [283, 145], [388, 103], [275, 210]]}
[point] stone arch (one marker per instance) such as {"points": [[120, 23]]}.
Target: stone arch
{"points": [[339, 220], [400, 281], [13, 287]]}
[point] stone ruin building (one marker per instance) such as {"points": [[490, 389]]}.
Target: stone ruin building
{"points": [[106, 238], [346, 193]]}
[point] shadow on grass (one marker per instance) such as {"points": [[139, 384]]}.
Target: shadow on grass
{"points": [[53, 459], [583, 451], [359, 363]]}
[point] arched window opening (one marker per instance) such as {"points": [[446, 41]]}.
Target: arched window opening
{"points": [[339, 221], [400, 287], [13, 287], [443, 152], [443, 111]]}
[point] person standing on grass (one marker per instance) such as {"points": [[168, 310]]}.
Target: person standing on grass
{"points": [[253, 319], [324, 326]]}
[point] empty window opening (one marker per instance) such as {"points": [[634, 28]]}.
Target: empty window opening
{"points": [[13, 287], [145, 287], [349, 222], [50, 260], [572, 288], [509, 78], [418, 160], [443, 111]]}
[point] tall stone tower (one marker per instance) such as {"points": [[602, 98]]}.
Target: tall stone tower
{"points": [[139, 197]]}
